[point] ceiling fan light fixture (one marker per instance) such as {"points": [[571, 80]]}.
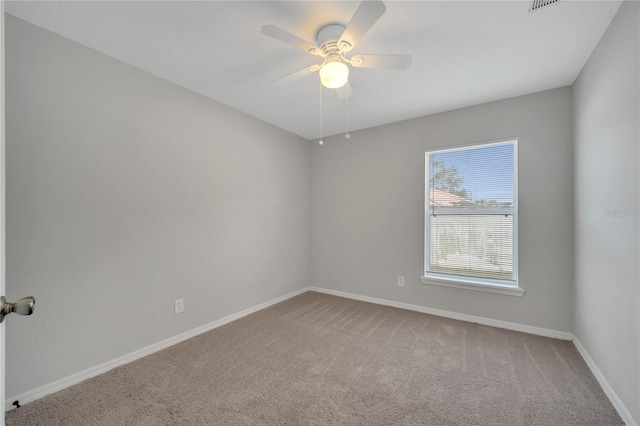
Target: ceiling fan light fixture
{"points": [[334, 74]]}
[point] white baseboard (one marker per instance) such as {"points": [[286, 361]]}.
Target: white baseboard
{"points": [[606, 386], [453, 315], [58, 385]]}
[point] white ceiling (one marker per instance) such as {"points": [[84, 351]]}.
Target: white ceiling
{"points": [[464, 53]]}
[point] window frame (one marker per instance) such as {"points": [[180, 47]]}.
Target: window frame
{"points": [[491, 285]]}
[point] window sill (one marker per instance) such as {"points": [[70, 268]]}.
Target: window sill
{"points": [[470, 284]]}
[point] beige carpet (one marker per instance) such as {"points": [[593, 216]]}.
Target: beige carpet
{"points": [[324, 360]]}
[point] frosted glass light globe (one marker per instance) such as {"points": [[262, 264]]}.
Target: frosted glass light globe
{"points": [[334, 75]]}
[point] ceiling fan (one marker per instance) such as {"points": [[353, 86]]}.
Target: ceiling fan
{"points": [[333, 44]]}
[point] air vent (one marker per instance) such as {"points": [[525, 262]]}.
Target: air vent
{"points": [[540, 4]]}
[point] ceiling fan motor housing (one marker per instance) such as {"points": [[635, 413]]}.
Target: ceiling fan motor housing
{"points": [[327, 38]]}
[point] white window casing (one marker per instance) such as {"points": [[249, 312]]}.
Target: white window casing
{"points": [[471, 218]]}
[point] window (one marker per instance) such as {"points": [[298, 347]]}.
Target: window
{"points": [[471, 218]]}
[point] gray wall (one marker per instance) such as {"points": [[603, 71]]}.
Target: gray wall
{"points": [[367, 208], [125, 192], [606, 112]]}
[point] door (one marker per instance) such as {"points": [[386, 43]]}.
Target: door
{"points": [[26, 305], [2, 234]]}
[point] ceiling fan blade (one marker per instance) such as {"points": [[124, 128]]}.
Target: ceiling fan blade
{"points": [[344, 92], [290, 39], [394, 62], [367, 14], [296, 75]]}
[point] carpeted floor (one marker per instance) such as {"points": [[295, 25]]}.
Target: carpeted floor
{"points": [[319, 359]]}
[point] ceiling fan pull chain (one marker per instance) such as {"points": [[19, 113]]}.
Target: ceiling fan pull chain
{"points": [[321, 142], [347, 135]]}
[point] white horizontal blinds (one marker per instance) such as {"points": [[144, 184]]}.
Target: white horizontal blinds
{"points": [[471, 211], [472, 178], [470, 245]]}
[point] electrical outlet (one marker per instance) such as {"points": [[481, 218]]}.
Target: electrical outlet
{"points": [[178, 305], [400, 281]]}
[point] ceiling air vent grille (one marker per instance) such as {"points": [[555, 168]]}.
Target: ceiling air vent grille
{"points": [[539, 4]]}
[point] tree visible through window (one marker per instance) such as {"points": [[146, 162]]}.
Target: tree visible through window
{"points": [[471, 213]]}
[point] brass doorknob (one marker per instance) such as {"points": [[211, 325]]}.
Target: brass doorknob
{"points": [[24, 306]]}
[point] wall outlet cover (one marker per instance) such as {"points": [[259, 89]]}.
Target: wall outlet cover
{"points": [[178, 305]]}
